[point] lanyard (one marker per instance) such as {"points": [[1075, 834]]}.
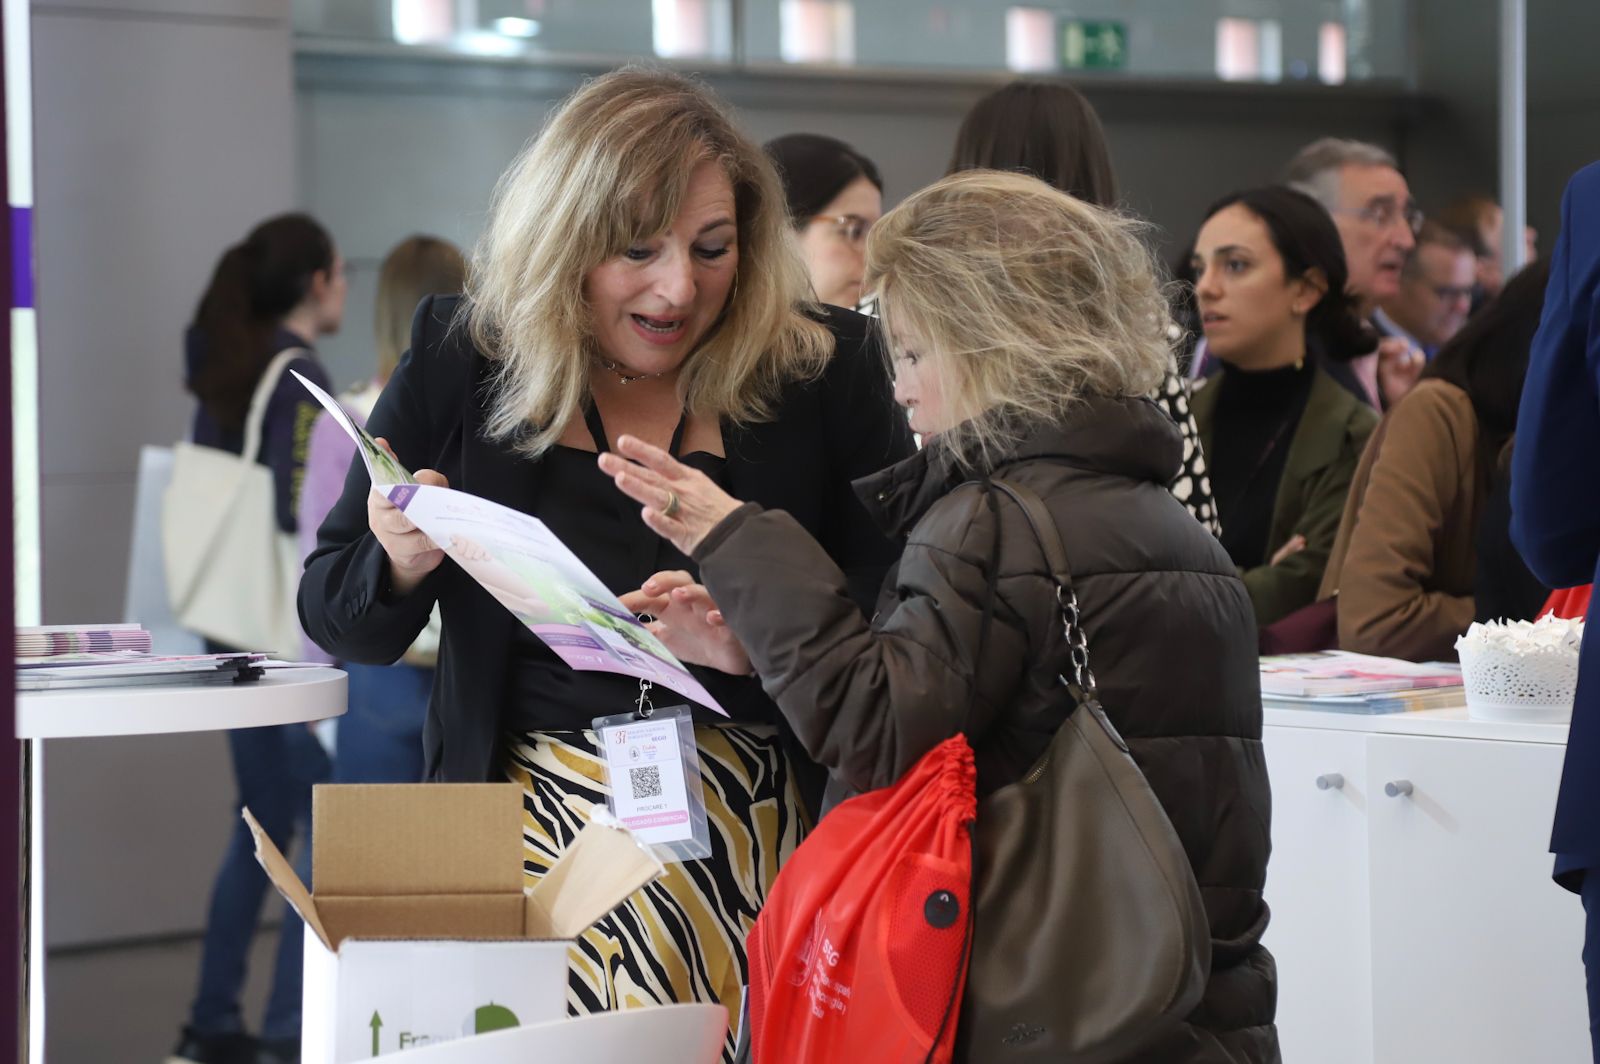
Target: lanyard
{"points": [[646, 545], [597, 430]]}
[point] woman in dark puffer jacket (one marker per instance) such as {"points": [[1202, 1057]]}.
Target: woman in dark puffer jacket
{"points": [[1006, 377]]}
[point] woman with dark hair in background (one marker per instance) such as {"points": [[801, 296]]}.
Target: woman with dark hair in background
{"points": [[380, 734], [1428, 514], [1282, 435], [835, 195], [280, 289], [1046, 129], [1049, 130]]}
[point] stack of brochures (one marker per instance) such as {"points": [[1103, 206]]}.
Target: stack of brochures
{"points": [[64, 657], [54, 640], [1335, 681]]}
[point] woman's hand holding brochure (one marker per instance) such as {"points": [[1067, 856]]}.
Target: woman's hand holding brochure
{"points": [[412, 555], [517, 559]]}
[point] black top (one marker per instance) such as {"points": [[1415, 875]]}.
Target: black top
{"points": [[1505, 588], [826, 433], [1255, 422], [602, 526]]}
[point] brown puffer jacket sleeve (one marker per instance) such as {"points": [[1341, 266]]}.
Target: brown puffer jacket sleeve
{"points": [[867, 700]]}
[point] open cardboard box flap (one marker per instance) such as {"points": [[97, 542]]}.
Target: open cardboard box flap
{"points": [[391, 853]]}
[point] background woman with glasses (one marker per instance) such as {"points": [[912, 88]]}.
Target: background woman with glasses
{"points": [[835, 195]]}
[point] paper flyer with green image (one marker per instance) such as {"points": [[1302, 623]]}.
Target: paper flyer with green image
{"points": [[382, 469], [518, 560]]}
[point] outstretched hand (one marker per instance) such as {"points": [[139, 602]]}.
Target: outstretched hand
{"points": [[688, 622], [681, 504]]}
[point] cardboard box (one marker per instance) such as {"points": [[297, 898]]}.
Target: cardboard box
{"points": [[420, 930]]}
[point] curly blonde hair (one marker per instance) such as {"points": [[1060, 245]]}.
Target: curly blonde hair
{"points": [[1027, 299], [610, 169]]}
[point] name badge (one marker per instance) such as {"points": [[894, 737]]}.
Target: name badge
{"points": [[652, 781]]}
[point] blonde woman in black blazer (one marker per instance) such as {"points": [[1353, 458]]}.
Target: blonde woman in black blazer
{"points": [[636, 276]]}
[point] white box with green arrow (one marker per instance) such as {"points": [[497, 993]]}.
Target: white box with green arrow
{"points": [[383, 997], [420, 930]]}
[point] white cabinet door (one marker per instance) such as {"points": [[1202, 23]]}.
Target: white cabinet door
{"points": [[1476, 953], [1317, 891]]}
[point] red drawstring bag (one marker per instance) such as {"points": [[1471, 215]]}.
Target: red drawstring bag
{"points": [[1568, 603], [860, 952]]}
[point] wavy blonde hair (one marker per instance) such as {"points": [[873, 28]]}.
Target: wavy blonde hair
{"points": [[1027, 299], [611, 168]]}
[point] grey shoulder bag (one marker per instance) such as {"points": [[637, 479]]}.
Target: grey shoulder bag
{"points": [[1090, 939]]}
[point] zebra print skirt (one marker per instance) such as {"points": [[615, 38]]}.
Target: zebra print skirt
{"points": [[682, 938]]}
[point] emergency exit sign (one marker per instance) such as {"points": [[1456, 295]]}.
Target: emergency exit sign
{"points": [[1094, 45]]}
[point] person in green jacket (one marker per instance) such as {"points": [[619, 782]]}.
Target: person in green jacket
{"points": [[1283, 438]]}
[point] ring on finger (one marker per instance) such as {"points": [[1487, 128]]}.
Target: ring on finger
{"points": [[671, 508]]}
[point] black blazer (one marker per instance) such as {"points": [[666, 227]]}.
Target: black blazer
{"points": [[827, 433]]}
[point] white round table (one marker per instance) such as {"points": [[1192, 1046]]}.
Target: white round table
{"points": [[280, 696]]}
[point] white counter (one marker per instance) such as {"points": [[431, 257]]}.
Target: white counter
{"points": [[1443, 722], [1413, 915]]}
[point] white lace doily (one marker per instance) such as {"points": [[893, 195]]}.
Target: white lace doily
{"points": [[1521, 671]]}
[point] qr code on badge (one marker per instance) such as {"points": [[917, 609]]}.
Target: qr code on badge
{"points": [[646, 781]]}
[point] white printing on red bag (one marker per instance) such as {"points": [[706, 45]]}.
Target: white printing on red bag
{"points": [[815, 966]]}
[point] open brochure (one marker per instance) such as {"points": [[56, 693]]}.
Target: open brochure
{"points": [[522, 564]]}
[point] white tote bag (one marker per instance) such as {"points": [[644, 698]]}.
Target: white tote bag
{"points": [[146, 602], [232, 575]]}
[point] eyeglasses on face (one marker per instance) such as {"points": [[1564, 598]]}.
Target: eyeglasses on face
{"points": [[851, 228], [1385, 212], [1449, 293]]}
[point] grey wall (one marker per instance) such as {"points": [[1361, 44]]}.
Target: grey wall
{"points": [[163, 130], [1457, 151], [1563, 104]]}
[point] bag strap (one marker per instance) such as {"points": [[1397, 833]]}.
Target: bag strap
{"points": [[262, 397], [1048, 533]]}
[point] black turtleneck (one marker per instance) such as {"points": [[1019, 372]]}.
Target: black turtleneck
{"points": [[1257, 413]]}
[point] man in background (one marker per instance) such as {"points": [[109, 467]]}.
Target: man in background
{"points": [[1363, 189], [1435, 293], [1480, 222]]}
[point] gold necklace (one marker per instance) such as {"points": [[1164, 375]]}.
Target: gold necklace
{"points": [[627, 378]]}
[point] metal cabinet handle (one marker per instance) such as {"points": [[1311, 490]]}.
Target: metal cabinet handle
{"points": [[1397, 788], [1330, 781]]}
